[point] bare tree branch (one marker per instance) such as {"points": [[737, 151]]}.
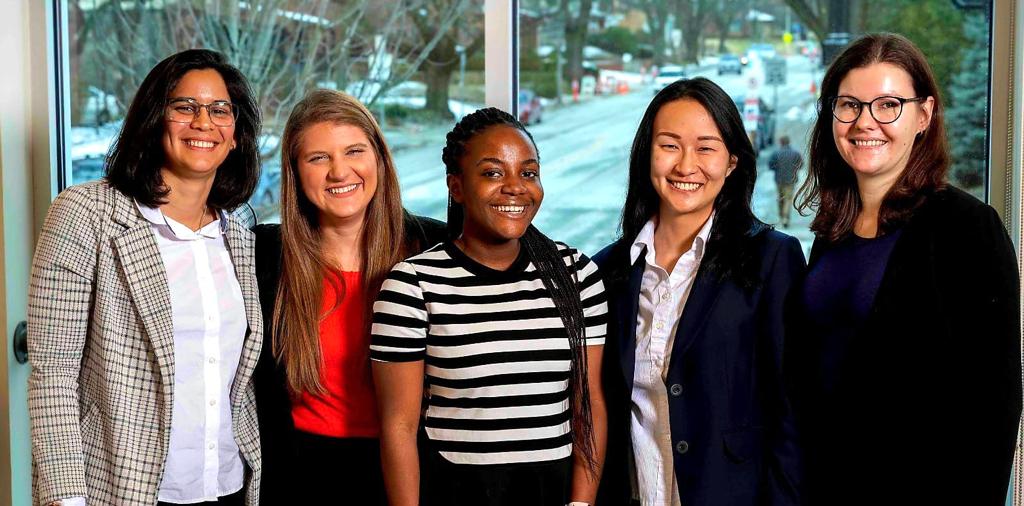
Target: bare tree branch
{"points": [[284, 47]]}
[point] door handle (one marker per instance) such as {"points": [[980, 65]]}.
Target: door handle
{"points": [[21, 343]]}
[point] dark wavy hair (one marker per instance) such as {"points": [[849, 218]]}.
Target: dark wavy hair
{"points": [[729, 254], [831, 186], [559, 280], [134, 161]]}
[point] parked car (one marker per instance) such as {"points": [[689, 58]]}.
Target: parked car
{"points": [[761, 51], [764, 133], [729, 63], [530, 109], [667, 74]]}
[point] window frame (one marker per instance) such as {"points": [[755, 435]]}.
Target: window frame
{"points": [[1006, 110], [501, 54]]}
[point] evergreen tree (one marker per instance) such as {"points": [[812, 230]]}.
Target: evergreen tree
{"points": [[967, 116]]}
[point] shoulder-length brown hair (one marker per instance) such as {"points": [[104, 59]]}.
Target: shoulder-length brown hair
{"points": [[133, 162], [298, 303], [831, 187]]}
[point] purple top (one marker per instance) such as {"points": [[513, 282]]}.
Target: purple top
{"points": [[839, 292]]}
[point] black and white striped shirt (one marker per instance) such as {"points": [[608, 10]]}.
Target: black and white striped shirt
{"points": [[496, 352]]}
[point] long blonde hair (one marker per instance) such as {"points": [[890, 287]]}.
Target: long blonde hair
{"points": [[298, 303]]}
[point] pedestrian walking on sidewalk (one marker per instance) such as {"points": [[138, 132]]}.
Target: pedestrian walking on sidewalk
{"points": [[785, 162]]}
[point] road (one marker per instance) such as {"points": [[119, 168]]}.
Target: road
{"points": [[584, 152]]}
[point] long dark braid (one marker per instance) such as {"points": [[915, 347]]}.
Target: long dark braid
{"points": [[561, 281]]}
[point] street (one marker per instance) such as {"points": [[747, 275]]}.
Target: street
{"points": [[584, 153]]}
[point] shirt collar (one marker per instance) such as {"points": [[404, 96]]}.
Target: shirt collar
{"points": [[211, 230], [645, 240]]}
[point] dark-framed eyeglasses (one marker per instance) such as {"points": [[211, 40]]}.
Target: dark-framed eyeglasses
{"points": [[185, 110], [884, 110]]}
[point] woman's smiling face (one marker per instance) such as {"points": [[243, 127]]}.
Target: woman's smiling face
{"points": [[198, 148], [337, 168], [499, 184], [689, 159], [873, 149]]}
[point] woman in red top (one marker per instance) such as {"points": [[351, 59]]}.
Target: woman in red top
{"points": [[342, 229]]}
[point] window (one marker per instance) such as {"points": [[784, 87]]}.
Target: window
{"points": [[595, 73], [417, 64], [585, 80]]}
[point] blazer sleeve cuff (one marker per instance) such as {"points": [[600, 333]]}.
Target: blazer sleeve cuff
{"points": [[60, 480]]}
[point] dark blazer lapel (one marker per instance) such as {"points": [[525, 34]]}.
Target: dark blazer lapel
{"points": [[701, 300], [240, 246], [913, 245], [627, 321], [146, 278]]}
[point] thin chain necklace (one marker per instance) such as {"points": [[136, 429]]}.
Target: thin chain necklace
{"points": [[200, 224]]}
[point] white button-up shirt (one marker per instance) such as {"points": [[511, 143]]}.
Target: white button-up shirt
{"points": [[662, 299], [203, 460]]}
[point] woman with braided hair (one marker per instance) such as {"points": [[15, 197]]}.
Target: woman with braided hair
{"points": [[501, 327]]}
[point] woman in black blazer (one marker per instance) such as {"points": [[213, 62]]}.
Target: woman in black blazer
{"points": [[906, 372], [342, 229], [697, 413]]}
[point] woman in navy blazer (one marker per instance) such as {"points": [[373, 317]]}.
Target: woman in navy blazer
{"points": [[696, 407]]}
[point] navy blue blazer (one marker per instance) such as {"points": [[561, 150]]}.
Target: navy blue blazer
{"points": [[732, 430]]}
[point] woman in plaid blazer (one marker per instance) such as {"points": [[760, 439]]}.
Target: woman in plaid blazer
{"points": [[144, 319]]}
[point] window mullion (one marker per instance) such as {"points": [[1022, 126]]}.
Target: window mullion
{"points": [[501, 51]]}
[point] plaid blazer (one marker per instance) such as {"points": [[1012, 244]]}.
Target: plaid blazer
{"points": [[101, 345]]}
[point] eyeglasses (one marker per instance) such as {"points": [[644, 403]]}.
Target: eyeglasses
{"points": [[884, 110], [186, 110]]}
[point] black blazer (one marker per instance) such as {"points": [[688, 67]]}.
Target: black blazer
{"points": [[273, 404], [928, 398], [732, 432]]}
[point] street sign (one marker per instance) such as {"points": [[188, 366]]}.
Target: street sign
{"points": [[751, 113], [775, 71]]}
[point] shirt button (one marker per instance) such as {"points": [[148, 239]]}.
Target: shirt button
{"points": [[213, 402], [676, 389], [659, 325], [682, 447], [212, 446], [213, 360], [666, 296]]}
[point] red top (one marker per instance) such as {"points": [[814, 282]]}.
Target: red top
{"points": [[348, 407]]}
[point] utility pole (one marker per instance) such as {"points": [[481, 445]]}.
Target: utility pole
{"points": [[838, 30], [462, 79], [558, 74]]}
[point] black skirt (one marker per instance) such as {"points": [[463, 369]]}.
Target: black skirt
{"points": [[443, 483], [328, 470]]}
